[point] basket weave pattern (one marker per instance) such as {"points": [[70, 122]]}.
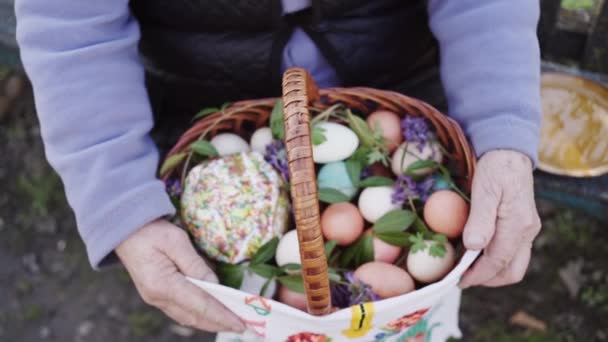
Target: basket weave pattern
{"points": [[300, 92]]}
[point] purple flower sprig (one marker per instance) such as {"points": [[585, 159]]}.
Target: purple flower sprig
{"points": [[405, 188], [173, 187], [276, 155], [352, 292], [415, 130]]}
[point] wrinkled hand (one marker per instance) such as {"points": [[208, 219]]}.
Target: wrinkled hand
{"points": [[158, 257], [503, 220]]}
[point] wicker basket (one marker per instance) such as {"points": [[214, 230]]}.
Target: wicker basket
{"points": [[299, 92]]}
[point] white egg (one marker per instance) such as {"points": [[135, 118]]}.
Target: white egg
{"points": [[229, 143], [408, 153], [288, 250], [376, 201], [261, 138], [341, 142], [426, 268], [253, 284]]}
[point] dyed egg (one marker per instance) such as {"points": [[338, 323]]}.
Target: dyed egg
{"points": [[342, 223], [408, 153], [335, 176], [445, 212], [341, 142], [376, 201], [288, 250], [292, 298], [233, 205], [386, 280], [426, 268], [253, 284], [383, 251], [261, 138], [439, 183], [229, 143], [389, 124]]}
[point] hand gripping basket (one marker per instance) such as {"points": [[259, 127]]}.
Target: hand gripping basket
{"points": [[384, 320]]}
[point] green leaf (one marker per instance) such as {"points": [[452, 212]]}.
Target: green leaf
{"points": [[423, 229], [358, 253], [265, 253], [205, 112], [348, 255], [204, 149], [366, 253], [360, 154], [225, 105], [265, 271], [353, 168], [418, 243], [400, 239], [361, 129], [376, 156], [397, 220], [331, 196], [276, 121], [376, 181], [329, 247], [440, 238], [291, 267], [265, 286], [172, 162], [334, 276], [318, 135], [437, 250], [293, 282], [421, 164], [230, 275]]}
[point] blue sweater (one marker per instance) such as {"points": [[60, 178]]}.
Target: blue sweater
{"points": [[95, 114]]}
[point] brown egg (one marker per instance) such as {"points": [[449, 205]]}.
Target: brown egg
{"points": [[342, 222], [292, 298], [446, 213], [383, 251], [386, 280], [390, 124]]}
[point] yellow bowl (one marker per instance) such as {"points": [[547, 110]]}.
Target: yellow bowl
{"points": [[574, 132]]}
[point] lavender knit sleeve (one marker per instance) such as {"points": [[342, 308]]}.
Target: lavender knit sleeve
{"points": [[94, 114], [490, 67]]}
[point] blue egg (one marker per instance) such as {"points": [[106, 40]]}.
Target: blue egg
{"points": [[334, 176], [440, 183]]}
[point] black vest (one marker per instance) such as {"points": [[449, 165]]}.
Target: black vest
{"points": [[212, 51]]}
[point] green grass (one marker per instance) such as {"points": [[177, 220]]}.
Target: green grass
{"points": [[573, 5]]}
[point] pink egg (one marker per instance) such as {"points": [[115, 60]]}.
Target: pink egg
{"points": [[342, 222], [446, 213], [390, 124], [292, 298], [383, 251], [386, 280]]}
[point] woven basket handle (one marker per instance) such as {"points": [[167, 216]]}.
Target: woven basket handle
{"points": [[299, 90]]}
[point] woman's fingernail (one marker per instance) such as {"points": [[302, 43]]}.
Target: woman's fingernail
{"points": [[474, 242]]}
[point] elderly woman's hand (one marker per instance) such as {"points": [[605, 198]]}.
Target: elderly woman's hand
{"points": [[503, 219], [158, 257]]}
